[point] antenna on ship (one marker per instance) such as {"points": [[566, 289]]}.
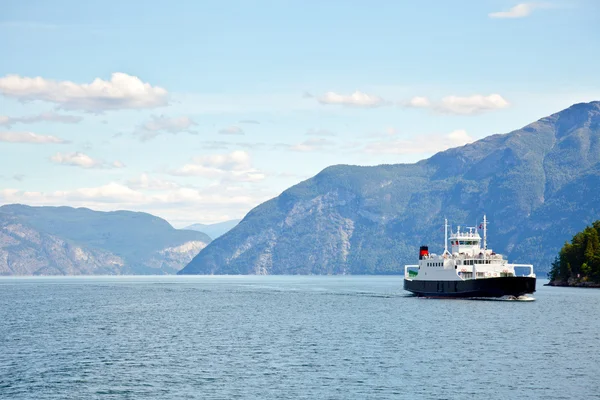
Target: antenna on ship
{"points": [[446, 236]]}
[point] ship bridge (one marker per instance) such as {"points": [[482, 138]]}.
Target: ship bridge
{"points": [[465, 242]]}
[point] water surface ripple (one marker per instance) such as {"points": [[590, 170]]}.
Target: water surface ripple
{"points": [[289, 337]]}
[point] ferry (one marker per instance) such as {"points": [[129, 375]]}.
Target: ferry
{"points": [[470, 269]]}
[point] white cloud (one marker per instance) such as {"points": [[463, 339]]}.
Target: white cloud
{"points": [[235, 166], [519, 11], [161, 124], [110, 193], [425, 144], [249, 121], [82, 160], [251, 175], [418, 102], [44, 117], [144, 181], [236, 161], [469, 105], [76, 159], [231, 130], [475, 104], [459, 137], [180, 205], [122, 91], [29, 137], [356, 99], [319, 132]]}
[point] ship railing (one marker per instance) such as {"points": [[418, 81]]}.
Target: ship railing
{"points": [[411, 271], [468, 272], [522, 269]]}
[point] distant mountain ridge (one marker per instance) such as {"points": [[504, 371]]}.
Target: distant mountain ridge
{"points": [[74, 241], [538, 186], [214, 230]]}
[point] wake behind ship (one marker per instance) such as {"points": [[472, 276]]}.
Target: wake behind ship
{"points": [[469, 270]]}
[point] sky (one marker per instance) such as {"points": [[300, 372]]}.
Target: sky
{"points": [[199, 111]]}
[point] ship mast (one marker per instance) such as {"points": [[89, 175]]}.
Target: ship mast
{"points": [[484, 236], [446, 236]]}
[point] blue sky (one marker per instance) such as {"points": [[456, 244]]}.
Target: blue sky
{"points": [[198, 111]]}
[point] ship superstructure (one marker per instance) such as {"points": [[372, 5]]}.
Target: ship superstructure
{"points": [[468, 269]]}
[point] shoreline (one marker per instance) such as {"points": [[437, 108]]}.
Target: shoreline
{"points": [[592, 285]]}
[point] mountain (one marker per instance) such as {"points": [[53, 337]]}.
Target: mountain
{"points": [[538, 186], [214, 230], [75, 241]]}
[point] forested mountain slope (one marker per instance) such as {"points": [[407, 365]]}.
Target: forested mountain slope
{"points": [[538, 186]]}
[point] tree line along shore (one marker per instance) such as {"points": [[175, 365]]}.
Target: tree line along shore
{"points": [[578, 263]]}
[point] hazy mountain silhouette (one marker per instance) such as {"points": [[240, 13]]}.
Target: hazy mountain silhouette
{"points": [[73, 241], [214, 230]]}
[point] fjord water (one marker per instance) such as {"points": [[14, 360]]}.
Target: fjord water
{"points": [[199, 337]]}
